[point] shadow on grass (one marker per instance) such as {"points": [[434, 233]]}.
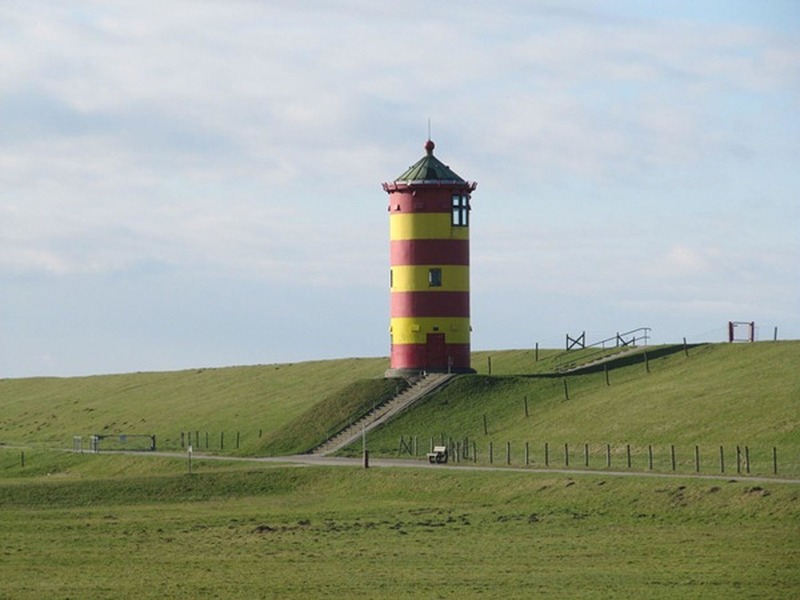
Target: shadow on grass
{"points": [[635, 358]]}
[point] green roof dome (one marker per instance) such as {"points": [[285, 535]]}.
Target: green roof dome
{"points": [[429, 168]]}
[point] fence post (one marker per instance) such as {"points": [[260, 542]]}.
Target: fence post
{"points": [[546, 454], [508, 453], [672, 455], [474, 451], [221, 440], [738, 459], [608, 455], [721, 460], [685, 348], [566, 455], [183, 445], [586, 455], [206, 440], [605, 369], [527, 454], [747, 460], [491, 454], [237, 440], [536, 356], [697, 458], [650, 456], [628, 454], [646, 362], [775, 460]]}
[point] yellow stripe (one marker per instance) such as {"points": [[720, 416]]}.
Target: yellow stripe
{"points": [[411, 330], [425, 226], [455, 278]]}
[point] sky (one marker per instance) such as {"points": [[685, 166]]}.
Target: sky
{"points": [[198, 183]]}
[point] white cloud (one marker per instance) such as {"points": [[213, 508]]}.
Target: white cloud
{"points": [[682, 260]]}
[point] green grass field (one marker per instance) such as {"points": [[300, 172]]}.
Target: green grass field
{"points": [[113, 526], [139, 526]]}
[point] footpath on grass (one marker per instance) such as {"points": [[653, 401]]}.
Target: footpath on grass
{"points": [[307, 460]]}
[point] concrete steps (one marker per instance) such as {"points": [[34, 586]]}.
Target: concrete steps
{"points": [[384, 412]]}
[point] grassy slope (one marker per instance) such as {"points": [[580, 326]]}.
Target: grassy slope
{"points": [[329, 416], [719, 395], [104, 528], [247, 399]]}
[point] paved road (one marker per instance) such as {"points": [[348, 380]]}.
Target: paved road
{"points": [[335, 461]]}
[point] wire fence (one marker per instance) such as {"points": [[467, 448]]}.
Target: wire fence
{"points": [[689, 459]]}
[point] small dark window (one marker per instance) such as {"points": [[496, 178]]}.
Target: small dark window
{"points": [[435, 277], [460, 210]]}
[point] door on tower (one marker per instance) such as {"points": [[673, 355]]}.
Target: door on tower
{"points": [[437, 354]]}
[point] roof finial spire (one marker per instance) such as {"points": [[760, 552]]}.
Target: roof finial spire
{"points": [[429, 145]]}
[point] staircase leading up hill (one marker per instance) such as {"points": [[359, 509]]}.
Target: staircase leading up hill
{"points": [[383, 413]]}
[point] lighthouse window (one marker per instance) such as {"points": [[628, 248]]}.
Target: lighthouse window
{"points": [[434, 278], [460, 210]]}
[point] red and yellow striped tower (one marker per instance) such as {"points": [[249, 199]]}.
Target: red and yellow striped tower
{"points": [[429, 229]]}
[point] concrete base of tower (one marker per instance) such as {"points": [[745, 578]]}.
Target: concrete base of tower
{"points": [[412, 373]]}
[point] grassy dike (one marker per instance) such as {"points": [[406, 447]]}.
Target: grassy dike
{"points": [[136, 527], [120, 526], [719, 395], [253, 400]]}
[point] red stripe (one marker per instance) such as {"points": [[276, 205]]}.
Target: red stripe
{"points": [[415, 356], [426, 199], [429, 252], [430, 304]]}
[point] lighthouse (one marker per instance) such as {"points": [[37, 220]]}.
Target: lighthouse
{"points": [[429, 216]]}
